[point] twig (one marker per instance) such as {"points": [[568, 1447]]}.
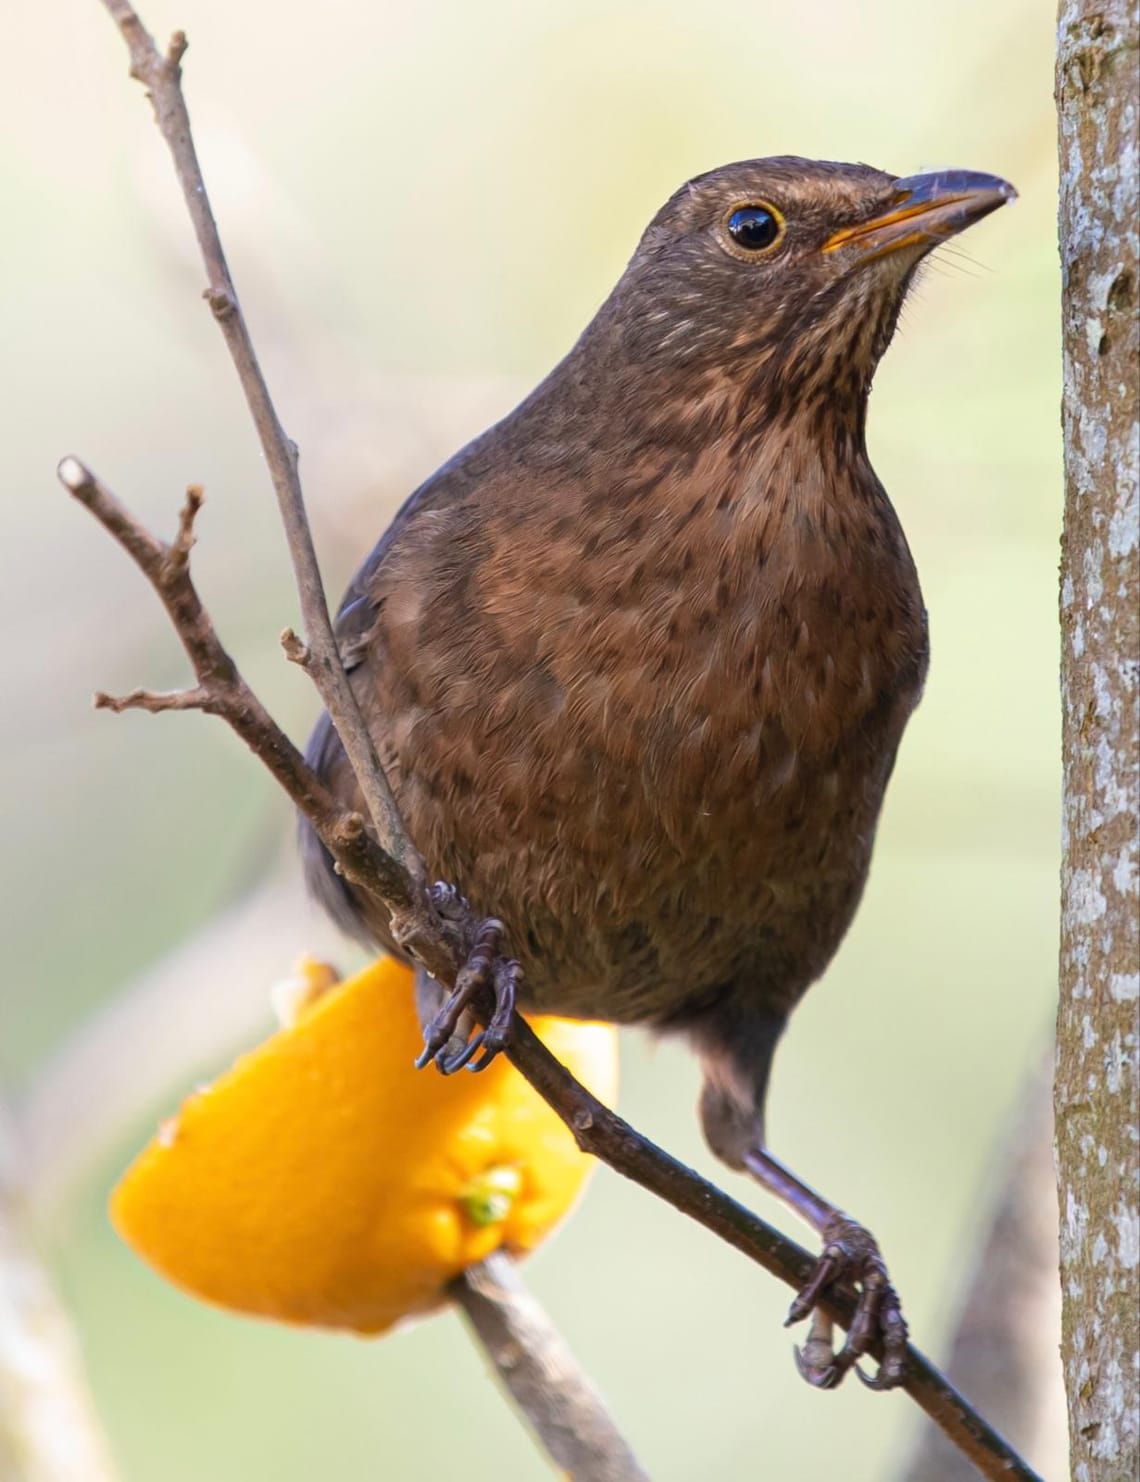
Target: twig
{"points": [[394, 864], [161, 75], [222, 691], [532, 1360]]}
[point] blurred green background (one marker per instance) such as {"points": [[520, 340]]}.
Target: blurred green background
{"points": [[423, 205]]}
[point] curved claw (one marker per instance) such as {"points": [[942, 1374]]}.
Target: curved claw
{"points": [[825, 1378], [851, 1256], [490, 1052], [449, 1064], [492, 1041], [483, 973], [815, 1361], [439, 1033]]}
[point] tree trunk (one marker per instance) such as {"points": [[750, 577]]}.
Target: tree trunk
{"points": [[1097, 1031]]}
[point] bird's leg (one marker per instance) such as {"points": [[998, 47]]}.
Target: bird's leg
{"points": [[850, 1258], [486, 979], [737, 1043]]}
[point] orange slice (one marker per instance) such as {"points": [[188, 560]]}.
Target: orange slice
{"points": [[325, 1181]]}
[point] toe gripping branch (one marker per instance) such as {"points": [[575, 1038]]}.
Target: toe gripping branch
{"points": [[487, 984], [851, 1261]]}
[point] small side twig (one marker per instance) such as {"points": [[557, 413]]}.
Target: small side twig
{"points": [[154, 702], [221, 690], [295, 650], [391, 869]]}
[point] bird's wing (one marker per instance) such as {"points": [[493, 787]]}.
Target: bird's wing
{"points": [[450, 484], [356, 618]]}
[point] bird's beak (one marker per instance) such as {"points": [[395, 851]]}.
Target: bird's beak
{"points": [[926, 210]]}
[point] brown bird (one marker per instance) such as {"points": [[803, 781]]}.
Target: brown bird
{"points": [[638, 659]]}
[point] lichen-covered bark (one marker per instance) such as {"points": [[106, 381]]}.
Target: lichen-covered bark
{"points": [[1096, 1085]]}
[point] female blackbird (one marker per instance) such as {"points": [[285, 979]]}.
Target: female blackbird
{"points": [[638, 659]]}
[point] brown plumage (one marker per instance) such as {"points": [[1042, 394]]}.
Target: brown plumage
{"points": [[639, 658]]}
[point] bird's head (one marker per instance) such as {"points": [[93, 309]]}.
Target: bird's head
{"points": [[787, 275]]}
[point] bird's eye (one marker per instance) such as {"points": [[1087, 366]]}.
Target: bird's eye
{"points": [[754, 228]]}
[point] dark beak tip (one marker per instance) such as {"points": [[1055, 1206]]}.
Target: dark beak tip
{"points": [[937, 183], [924, 210], [1000, 187]]}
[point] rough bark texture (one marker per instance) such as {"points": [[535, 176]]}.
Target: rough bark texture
{"points": [[1096, 1086]]}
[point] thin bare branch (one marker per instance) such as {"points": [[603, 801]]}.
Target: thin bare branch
{"points": [[222, 691], [161, 75], [541, 1374], [393, 872]]}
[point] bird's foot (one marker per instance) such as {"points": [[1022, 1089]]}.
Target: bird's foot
{"points": [[851, 1260], [486, 979]]}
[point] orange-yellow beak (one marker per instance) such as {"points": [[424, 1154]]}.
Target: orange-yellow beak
{"points": [[927, 209]]}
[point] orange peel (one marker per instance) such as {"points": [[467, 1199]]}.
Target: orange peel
{"points": [[324, 1181]]}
